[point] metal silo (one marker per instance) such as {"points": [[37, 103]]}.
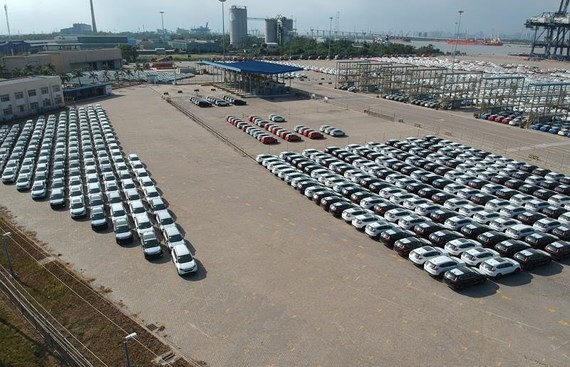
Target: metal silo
{"points": [[286, 29], [271, 30], [238, 26]]}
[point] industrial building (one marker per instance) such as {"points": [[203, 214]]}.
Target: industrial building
{"points": [[77, 29], [238, 26], [196, 46], [67, 61], [29, 96]]}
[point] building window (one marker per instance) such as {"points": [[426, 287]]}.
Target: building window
{"points": [[55, 88], [5, 98], [8, 111], [32, 93], [58, 100], [34, 105], [47, 103], [19, 95], [45, 90], [21, 107]]}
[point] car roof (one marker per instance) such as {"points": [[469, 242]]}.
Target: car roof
{"points": [[181, 250]]}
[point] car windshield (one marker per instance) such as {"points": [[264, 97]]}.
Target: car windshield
{"points": [[166, 221], [98, 215], [185, 258], [57, 196], [150, 242], [175, 237], [145, 225], [123, 227], [77, 205]]}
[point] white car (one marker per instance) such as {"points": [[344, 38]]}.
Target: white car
{"points": [[470, 210], [393, 215], [501, 224], [476, 255], [499, 266], [519, 231], [183, 260], [360, 221], [122, 228], [276, 118], [485, 217], [173, 237], [349, 214], [455, 223], [420, 255], [410, 221], [164, 220], [426, 209], [374, 229], [150, 244], [458, 246], [142, 223], [39, 190], [77, 208], [440, 264], [546, 224]]}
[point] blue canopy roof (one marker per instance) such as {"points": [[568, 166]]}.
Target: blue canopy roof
{"points": [[254, 67]]}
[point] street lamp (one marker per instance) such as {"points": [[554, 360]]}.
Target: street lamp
{"points": [[162, 20], [5, 237], [330, 36], [223, 32], [456, 41], [125, 340]]}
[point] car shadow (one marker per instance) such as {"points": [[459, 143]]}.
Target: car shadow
{"points": [[165, 258], [482, 290], [190, 247], [201, 274], [172, 214], [515, 280], [565, 261], [551, 269], [166, 202]]}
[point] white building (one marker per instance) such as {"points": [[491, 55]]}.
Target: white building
{"points": [[29, 96]]}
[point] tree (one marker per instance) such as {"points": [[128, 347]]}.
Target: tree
{"points": [[117, 75], [129, 52], [138, 68], [93, 76], [64, 78], [106, 74], [77, 73]]}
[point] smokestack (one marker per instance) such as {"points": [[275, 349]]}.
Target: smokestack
{"points": [[8, 24], [93, 25]]}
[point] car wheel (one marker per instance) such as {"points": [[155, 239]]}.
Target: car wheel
{"points": [[518, 270], [498, 276]]}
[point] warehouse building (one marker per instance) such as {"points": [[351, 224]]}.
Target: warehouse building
{"points": [[67, 61], [29, 96]]}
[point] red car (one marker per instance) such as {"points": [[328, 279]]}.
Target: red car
{"points": [[314, 135], [292, 137], [268, 140]]}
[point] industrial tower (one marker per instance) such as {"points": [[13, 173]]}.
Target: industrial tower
{"points": [[551, 32]]}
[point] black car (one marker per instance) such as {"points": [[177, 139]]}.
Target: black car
{"points": [[336, 209], [514, 184], [407, 244], [548, 185], [327, 201], [359, 195], [499, 179], [540, 240], [428, 192], [562, 232], [521, 175], [441, 215], [506, 193], [440, 183], [529, 218], [541, 171], [481, 199], [527, 167], [509, 247], [553, 211], [477, 183], [415, 187], [463, 277], [382, 208], [377, 186], [321, 193], [562, 189], [442, 197], [426, 228], [390, 236], [473, 230], [491, 238], [558, 250], [348, 191], [529, 188], [532, 258], [440, 238], [442, 170]]}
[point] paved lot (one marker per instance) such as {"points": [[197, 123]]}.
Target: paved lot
{"points": [[282, 283]]}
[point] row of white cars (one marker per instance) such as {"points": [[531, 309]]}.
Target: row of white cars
{"points": [[79, 161], [317, 175]]}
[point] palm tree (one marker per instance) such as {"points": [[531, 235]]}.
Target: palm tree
{"points": [[93, 76], [106, 74], [128, 74], [117, 75], [28, 70], [138, 68], [64, 78], [77, 73]]}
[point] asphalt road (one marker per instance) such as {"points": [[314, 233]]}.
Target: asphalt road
{"points": [[281, 282]]}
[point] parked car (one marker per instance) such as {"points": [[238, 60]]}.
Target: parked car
{"points": [[499, 266], [98, 218], [463, 277], [558, 250], [151, 245], [437, 266], [122, 229], [183, 260], [475, 256], [532, 258], [508, 248], [420, 255]]}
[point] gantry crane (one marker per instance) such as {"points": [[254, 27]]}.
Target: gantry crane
{"points": [[552, 33]]}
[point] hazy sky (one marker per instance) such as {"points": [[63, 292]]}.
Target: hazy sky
{"points": [[396, 16]]}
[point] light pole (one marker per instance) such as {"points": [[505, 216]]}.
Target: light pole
{"points": [[125, 340], [5, 237], [456, 41], [162, 20], [223, 33], [330, 36]]}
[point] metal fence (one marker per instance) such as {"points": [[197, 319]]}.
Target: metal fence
{"points": [[54, 337]]}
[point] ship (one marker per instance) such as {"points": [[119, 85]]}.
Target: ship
{"points": [[471, 42]]}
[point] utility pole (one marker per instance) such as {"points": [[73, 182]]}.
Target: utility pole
{"points": [[223, 33], [162, 20], [330, 36], [456, 41]]}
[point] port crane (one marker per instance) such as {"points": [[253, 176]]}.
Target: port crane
{"points": [[551, 33]]}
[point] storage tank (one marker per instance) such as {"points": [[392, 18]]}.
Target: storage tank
{"points": [[271, 30], [286, 29], [238, 26]]}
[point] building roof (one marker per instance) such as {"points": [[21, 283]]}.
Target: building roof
{"points": [[28, 79], [255, 67]]}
